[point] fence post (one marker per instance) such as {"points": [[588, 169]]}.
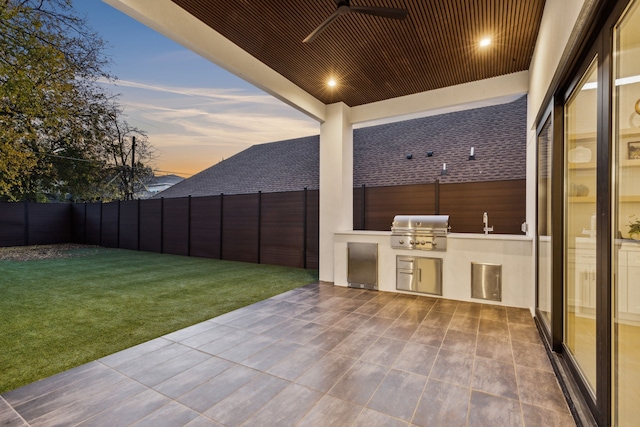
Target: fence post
{"points": [[161, 225], [138, 229], [221, 222], [71, 223], [26, 223], [100, 239], [84, 233], [259, 222], [363, 207], [118, 227], [437, 197], [189, 227], [304, 231]]}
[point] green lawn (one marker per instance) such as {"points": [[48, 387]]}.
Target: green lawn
{"points": [[59, 313]]}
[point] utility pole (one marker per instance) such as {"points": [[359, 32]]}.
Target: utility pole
{"points": [[133, 165]]}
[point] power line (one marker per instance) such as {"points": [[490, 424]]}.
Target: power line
{"points": [[71, 158], [97, 161]]}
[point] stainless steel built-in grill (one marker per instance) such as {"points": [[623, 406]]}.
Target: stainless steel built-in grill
{"points": [[424, 232]]}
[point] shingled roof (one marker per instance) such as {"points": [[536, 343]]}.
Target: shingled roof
{"points": [[497, 133]]}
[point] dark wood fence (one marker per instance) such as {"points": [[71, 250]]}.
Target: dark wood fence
{"points": [[269, 228], [504, 201], [24, 224]]}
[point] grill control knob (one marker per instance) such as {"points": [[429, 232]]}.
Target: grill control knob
{"points": [[434, 243], [422, 242], [411, 242], [401, 242]]}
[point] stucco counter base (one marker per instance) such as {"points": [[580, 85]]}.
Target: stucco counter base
{"points": [[514, 253]]}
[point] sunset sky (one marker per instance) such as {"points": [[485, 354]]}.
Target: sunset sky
{"points": [[194, 112]]}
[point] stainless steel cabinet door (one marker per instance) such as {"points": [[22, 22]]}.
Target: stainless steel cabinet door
{"points": [[362, 264], [428, 275]]}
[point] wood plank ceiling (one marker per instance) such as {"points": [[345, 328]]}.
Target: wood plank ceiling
{"points": [[373, 58]]}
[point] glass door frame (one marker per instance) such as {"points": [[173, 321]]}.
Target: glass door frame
{"points": [[553, 332]]}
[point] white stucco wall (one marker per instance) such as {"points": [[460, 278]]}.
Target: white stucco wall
{"points": [[558, 21]]}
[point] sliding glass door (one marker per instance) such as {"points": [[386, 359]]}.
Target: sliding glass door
{"points": [[580, 231], [625, 242], [588, 160]]}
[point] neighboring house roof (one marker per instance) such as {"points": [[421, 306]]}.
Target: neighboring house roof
{"points": [[156, 184], [278, 166], [497, 133]]}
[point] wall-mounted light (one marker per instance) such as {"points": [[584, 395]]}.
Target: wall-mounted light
{"points": [[429, 153], [444, 169], [409, 156], [472, 155]]}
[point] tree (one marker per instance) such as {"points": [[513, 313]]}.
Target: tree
{"points": [[128, 150], [57, 125]]}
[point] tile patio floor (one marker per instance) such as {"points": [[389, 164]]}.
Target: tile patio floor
{"points": [[316, 356]]}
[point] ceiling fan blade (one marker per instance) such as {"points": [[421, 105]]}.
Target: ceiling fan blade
{"points": [[321, 27], [385, 12]]}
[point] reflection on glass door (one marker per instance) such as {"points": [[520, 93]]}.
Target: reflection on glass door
{"points": [[626, 219], [544, 223], [580, 224]]}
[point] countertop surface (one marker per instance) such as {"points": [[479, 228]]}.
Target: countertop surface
{"points": [[477, 236], [489, 236]]}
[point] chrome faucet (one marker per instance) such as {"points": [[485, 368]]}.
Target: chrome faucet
{"points": [[485, 221]]}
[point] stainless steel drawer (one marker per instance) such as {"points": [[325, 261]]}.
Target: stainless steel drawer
{"points": [[404, 263], [404, 280]]}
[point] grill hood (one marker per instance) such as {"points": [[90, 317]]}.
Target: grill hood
{"points": [[423, 232], [430, 224]]}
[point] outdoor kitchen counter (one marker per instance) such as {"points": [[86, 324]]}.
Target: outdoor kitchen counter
{"points": [[513, 252]]}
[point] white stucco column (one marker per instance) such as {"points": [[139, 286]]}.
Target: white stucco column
{"points": [[336, 182]]}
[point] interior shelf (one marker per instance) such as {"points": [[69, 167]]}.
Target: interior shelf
{"points": [[592, 165], [589, 165], [630, 163], [587, 199], [592, 199]]}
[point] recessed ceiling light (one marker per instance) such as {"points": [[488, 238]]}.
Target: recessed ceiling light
{"points": [[485, 42], [331, 83]]}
